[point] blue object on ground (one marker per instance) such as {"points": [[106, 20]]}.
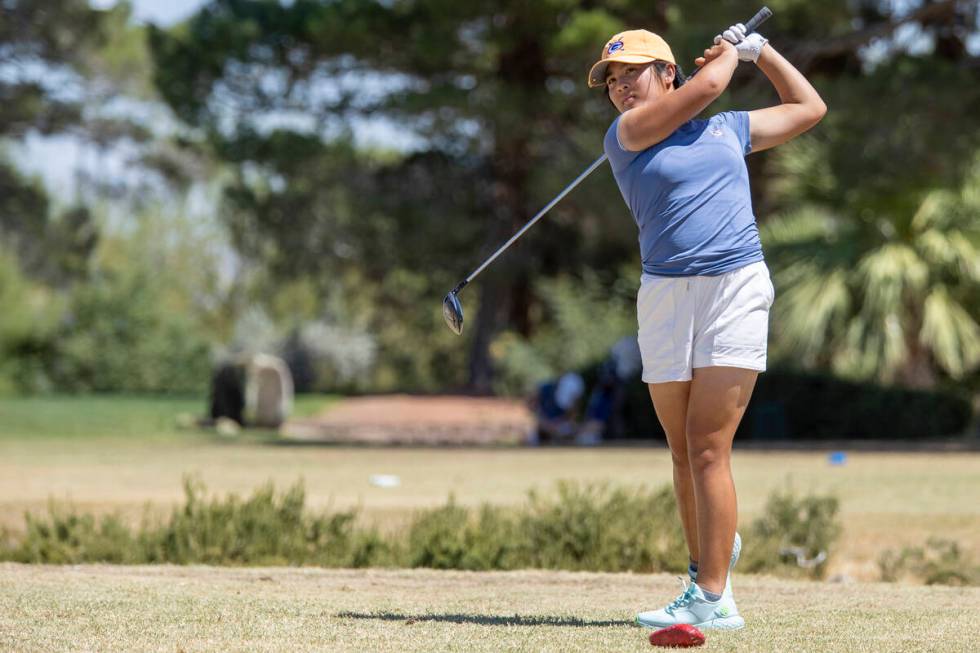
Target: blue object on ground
{"points": [[837, 458]]}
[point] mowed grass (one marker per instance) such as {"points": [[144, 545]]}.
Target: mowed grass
{"points": [[93, 607], [107, 416], [118, 454]]}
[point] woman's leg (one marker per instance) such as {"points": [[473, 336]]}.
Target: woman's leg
{"points": [[670, 401], [718, 398]]}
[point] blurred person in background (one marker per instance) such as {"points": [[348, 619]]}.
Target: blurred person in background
{"points": [[604, 410], [555, 408]]}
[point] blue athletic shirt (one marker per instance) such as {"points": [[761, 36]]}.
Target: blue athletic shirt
{"points": [[690, 197]]}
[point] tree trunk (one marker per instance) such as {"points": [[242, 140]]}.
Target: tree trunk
{"points": [[487, 324], [512, 135]]}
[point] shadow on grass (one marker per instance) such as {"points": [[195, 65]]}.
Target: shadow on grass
{"points": [[485, 620]]}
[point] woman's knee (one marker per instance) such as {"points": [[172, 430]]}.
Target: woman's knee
{"points": [[705, 458]]}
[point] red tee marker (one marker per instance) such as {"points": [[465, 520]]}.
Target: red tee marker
{"points": [[679, 636]]}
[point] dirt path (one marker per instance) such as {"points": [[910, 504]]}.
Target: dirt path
{"points": [[406, 419]]}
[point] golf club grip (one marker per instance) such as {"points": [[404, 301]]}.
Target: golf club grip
{"points": [[760, 17]]}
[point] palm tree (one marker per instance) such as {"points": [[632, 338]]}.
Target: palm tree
{"points": [[886, 290]]}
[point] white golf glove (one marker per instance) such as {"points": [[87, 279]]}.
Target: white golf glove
{"points": [[748, 46], [734, 34]]}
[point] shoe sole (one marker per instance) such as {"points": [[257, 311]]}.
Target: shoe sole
{"points": [[731, 622]]}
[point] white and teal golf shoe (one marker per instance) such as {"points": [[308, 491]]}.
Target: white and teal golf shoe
{"points": [[677, 610], [694, 609]]}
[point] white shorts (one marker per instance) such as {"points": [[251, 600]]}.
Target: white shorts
{"points": [[688, 322]]}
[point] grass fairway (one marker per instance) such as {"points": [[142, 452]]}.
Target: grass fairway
{"points": [[116, 454], [222, 609]]}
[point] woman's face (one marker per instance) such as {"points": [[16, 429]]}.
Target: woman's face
{"points": [[630, 84]]}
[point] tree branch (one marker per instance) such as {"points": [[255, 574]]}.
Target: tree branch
{"points": [[805, 55]]}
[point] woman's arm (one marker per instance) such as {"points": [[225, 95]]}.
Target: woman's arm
{"points": [[650, 123], [801, 106]]}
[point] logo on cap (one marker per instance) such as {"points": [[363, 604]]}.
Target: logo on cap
{"points": [[618, 45]]}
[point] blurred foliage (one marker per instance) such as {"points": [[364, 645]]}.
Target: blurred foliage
{"points": [[603, 528], [265, 529], [494, 100], [449, 537], [794, 536], [793, 404], [890, 295], [582, 527], [54, 33], [268, 528], [28, 324], [120, 335], [52, 246], [141, 321], [790, 403], [939, 562], [357, 159], [582, 319]]}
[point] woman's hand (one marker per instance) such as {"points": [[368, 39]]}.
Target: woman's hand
{"points": [[716, 51]]}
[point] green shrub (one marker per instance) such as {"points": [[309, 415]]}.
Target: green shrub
{"points": [[265, 529], [788, 404], [593, 527], [29, 316], [582, 527], [451, 537], [122, 336], [939, 562], [66, 537], [794, 536]]}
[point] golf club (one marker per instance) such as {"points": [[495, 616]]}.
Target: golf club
{"points": [[452, 310]]}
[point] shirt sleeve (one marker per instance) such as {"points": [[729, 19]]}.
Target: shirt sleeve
{"points": [[738, 122], [619, 157]]}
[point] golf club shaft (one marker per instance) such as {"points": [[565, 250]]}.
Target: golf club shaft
{"points": [[761, 16], [588, 171]]}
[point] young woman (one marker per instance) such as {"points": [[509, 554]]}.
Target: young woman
{"points": [[705, 293]]}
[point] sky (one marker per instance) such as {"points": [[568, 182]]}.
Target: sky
{"points": [[161, 12], [56, 159]]}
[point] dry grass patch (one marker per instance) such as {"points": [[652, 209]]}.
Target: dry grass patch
{"points": [[203, 608]]}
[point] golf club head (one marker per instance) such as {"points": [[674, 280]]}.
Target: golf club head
{"points": [[452, 310]]}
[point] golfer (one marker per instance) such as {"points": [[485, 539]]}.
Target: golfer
{"points": [[705, 292]]}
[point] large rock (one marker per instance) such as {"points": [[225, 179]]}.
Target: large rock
{"points": [[268, 391]]}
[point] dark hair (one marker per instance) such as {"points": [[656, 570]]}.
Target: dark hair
{"points": [[679, 78], [661, 68]]}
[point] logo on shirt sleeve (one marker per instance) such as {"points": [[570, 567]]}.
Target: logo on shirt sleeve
{"points": [[716, 132]]}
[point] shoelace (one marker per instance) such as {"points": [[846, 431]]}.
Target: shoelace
{"points": [[684, 599]]}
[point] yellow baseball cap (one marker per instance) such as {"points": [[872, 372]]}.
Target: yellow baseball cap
{"points": [[634, 46]]}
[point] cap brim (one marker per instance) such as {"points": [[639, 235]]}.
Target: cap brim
{"points": [[597, 76]]}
